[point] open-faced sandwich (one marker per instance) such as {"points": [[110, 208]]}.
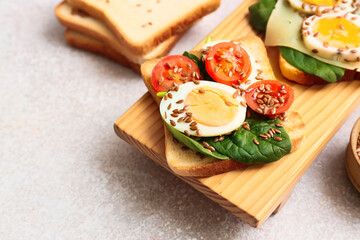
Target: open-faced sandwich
{"points": [[319, 40], [222, 108]]}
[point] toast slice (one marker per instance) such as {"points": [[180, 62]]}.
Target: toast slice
{"points": [[82, 22], [141, 25], [82, 41], [186, 162], [296, 75]]}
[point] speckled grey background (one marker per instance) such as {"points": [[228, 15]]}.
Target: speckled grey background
{"points": [[64, 174]]}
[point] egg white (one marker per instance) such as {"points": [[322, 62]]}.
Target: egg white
{"points": [[254, 65], [327, 51], [342, 6], [204, 131]]}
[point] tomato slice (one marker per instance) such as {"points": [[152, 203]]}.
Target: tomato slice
{"points": [[227, 62], [269, 97], [173, 69]]}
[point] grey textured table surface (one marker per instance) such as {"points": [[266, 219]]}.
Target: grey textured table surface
{"points": [[64, 174]]}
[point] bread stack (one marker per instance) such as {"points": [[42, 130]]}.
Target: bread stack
{"points": [[129, 32]]}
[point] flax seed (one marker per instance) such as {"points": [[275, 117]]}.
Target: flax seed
{"points": [[277, 138], [201, 91], [242, 103], [168, 108], [256, 141], [180, 119], [279, 125], [173, 122]]}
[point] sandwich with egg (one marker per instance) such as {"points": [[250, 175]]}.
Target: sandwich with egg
{"points": [[318, 40], [222, 108]]}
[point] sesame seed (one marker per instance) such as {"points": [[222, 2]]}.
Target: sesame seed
{"points": [[183, 78], [194, 123], [161, 80], [283, 91], [210, 58], [243, 104], [228, 60], [228, 103], [201, 91], [273, 111], [259, 110], [221, 138], [211, 148], [216, 69], [188, 65]]}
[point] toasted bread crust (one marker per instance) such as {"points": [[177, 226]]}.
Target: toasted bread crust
{"points": [[187, 162], [106, 13], [87, 43], [80, 21], [296, 75]]}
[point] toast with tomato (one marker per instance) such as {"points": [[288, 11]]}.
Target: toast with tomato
{"points": [[201, 138]]}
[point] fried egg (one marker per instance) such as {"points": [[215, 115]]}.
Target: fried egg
{"points": [[333, 36], [324, 6], [205, 109]]}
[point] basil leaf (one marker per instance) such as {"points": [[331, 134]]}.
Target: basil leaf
{"points": [[192, 144], [201, 65], [308, 64], [161, 94], [240, 145], [208, 39], [260, 13], [192, 57]]}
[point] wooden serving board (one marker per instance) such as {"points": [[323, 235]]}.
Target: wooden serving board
{"points": [[253, 193]]}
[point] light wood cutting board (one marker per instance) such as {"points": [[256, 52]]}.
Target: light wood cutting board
{"points": [[253, 193]]}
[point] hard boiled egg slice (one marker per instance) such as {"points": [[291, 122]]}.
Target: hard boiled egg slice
{"points": [[333, 36], [323, 6], [205, 109]]}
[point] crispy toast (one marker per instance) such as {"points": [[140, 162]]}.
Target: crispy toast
{"points": [[81, 22], [79, 40], [141, 25], [186, 162]]}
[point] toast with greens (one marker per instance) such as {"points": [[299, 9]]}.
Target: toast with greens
{"points": [[257, 140], [317, 43]]}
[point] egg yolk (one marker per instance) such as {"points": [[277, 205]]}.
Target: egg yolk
{"points": [[321, 3], [211, 106], [338, 32]]}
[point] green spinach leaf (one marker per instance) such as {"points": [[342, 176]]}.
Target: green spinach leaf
{"points": [[260, 13], [308, 64], [192, 144], [201, 65], [240, 145]]}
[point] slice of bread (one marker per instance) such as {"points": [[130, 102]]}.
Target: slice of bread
{"points": [[142, 25], [79, 40], [81, 22], [296, 75], [186, 162]]}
